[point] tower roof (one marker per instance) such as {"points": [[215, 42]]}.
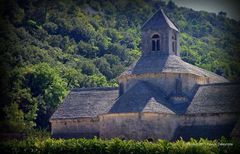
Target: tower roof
{"points": [[166, 64], [159, 19]]}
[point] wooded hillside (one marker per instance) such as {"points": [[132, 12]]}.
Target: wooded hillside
{"points": [[50, 47]]}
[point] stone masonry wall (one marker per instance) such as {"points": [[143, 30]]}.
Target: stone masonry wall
{"points": [[147, 41], [142, 126], [139, 126], [189, 81], [81, 127]]}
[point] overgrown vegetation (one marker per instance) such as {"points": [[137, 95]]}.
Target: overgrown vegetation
{"points": [[49, 47], [117, 146]]}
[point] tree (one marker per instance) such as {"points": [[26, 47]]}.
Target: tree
{"points": [[118, 50], [72, 77], [104, 67], [87, 50], [50, 27], [89, 68], [223, 14], [95, 81], [171, 5], [38, 91], [14, 120]]}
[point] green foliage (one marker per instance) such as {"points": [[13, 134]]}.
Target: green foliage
{"points": [[87, 50], [37, 134], [72, 77], [38, 90], [113, 146], [89, 68], [95, 81], [14, 118]]}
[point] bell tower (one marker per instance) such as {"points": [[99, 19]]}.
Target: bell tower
{"points": [[160, 36]]}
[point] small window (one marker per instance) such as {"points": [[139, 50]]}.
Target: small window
{"points": [[153, 45], [174, 43], [158, 45], [174, 36], [155, 42], [173, 47], [155, 36], [178, 86]]}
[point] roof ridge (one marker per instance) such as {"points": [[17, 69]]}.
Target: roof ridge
{"points": [[166, 109], [201, 70], [94, 88], [167, 20], [219, 84], [149, 19]]}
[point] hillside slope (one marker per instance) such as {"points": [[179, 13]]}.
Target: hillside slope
{"points": [[49, 47]]}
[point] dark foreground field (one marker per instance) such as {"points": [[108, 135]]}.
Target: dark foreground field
{"points": [[117, 146]]}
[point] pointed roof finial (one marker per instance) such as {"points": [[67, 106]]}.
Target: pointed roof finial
{"points": [[159, 19]]}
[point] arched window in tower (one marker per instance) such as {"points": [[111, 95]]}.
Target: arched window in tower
{"points": [[155, 42], [174, 43]]}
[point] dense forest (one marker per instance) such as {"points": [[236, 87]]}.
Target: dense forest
{"points": [[50, 47]]}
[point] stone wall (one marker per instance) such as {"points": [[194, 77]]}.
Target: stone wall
{"points": [[208, 119], [189, 81], [211, 126], [146, 44], [79, 127], [171, 32], [165, 41], [140, 126]]}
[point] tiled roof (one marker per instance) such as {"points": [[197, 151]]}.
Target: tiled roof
{"points": [[216, 98], [87, 102], [159, 19], [144, 97], [169, 63]]}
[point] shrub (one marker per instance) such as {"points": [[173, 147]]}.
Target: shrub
{"points": [[117, 146]]}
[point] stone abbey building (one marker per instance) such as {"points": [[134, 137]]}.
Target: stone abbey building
{"points": [[159, 96]]}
